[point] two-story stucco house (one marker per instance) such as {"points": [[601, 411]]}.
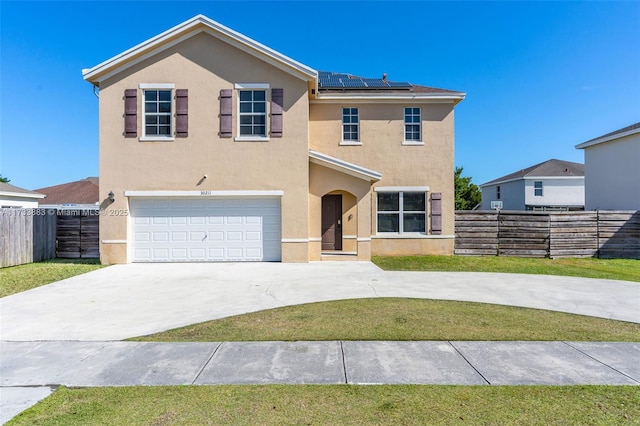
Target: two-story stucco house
{"points": [[215, 147], [553, 185], [612, 170]]}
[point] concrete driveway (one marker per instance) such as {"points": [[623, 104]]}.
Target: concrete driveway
{"points": [[124, 301]]}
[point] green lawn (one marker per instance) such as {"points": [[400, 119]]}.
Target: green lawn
{"points": [[338, 404], [402, 319], [19, 278], [614, 269]]}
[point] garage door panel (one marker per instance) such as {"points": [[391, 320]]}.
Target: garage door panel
{"points": [[206, 230]]}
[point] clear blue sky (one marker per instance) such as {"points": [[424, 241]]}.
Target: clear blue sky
{"points": [[540, 77]]}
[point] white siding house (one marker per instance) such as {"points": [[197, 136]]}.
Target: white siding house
{"points": [[15, 197], [552, 185], [612, 170]]}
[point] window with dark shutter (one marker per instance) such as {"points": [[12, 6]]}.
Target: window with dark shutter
{"points": [[277, 102], [226, 113], [436, 213], [130, 113], [182, 113]]}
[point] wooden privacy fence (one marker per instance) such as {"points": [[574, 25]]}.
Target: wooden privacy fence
{"points": [[78, 234], [27, 235], [604, 234]]}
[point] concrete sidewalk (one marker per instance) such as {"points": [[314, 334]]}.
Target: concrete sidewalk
{"points": [[124, 301], [31, 370]]}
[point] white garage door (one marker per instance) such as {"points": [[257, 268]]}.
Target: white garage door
{"points": [[206, 229]]}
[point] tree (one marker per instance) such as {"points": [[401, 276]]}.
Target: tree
{"points": [[468, 194], [4, 179]]}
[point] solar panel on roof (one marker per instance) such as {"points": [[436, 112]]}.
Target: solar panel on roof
{"points": [[353, 82], [375, 82]]}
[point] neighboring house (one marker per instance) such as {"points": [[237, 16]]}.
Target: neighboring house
{"points": [[13, 196], [79, 195], [554, 185], [218, 148], [612, 170]]}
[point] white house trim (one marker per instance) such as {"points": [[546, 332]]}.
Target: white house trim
{"points": [[344, 166], [21, 194], [185, 30], [401, 189], [251, 85], [204, 193], [608, 138], [157, 86], [295, 240], [114, 241], [409, 97]]}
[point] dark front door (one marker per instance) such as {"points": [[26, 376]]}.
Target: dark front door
{"points": [[332, 222]]}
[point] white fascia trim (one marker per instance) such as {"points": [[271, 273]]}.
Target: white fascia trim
{"points": [[114, 241], [344, 166], [500, 182], [607, 138], [389, 98], [294, 240], [22, 194], [186, 30], [552, 177], [251, 86], [412, 237], [157, 86], [401, 189], [205, 193]]}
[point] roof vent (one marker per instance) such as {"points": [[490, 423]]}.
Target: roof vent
{"points": [[384, 77]]}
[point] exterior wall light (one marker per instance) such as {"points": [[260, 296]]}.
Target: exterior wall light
{"points": [[111, 196]]}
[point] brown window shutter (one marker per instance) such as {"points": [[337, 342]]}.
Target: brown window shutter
{"points": [[436, 213], [277, 99], [130, 113], [182, 113], [226, 113]]}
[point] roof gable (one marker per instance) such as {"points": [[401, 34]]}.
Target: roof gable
{"points": [[188, 29], [616, 134], [549, 168]]}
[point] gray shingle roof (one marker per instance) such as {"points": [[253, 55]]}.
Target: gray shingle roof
{"points": [[549, 168], [7, 187], [84, 191]]}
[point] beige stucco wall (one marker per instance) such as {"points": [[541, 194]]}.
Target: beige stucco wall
{"points": [[382, 150], [204, 65]]}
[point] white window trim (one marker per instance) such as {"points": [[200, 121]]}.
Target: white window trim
{"points": [[349, 142], [401, 190], [410, 142], [157, 86], [253, 86]]}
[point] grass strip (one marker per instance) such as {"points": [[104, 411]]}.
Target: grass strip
{"points": [[613, 269], [16, 279], [337, 404], [402, 319]]}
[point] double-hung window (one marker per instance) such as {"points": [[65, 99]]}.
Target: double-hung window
{"points": [[412, 132], [537, 188], [402, 212], [157, 113], [253, 113], [350, 125]]}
